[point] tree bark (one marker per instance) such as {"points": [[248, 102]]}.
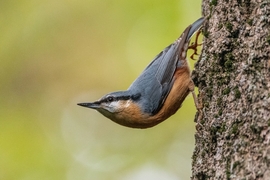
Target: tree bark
{"points": [[233, 77]]}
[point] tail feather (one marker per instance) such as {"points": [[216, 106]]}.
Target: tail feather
{"points": [[195, 26]]}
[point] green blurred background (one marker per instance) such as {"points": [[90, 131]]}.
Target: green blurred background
{"points": [[55, 54]]}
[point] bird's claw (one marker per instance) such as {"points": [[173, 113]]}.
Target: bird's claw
{"points": [[194, 46]]}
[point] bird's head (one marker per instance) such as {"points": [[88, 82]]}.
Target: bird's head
{"points": [[115, 106]]}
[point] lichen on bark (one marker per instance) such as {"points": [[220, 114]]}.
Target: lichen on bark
{"points": [[233, 78]]}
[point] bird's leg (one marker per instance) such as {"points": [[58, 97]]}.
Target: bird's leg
{"points": [[197, 104], [194, 45], [191, 88]]}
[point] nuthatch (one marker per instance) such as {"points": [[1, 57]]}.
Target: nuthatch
{"points": [[158, 92]]}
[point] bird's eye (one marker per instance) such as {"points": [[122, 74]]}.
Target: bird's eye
{"points": [[110, 99]]}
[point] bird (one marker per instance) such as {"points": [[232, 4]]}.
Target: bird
{"points": [[159, 90]]}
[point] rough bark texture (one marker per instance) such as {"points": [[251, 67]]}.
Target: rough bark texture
{"points": [[233, 77]]}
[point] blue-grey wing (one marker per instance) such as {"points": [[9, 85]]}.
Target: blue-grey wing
{"points": [[156, 80]]}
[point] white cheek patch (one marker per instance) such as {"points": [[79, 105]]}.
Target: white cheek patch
{"points": [[117, 106], [114, 106]]}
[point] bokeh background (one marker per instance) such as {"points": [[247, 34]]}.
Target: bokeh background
{"points": [[54, 54]]}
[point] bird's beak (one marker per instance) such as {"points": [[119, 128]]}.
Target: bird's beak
{"points": [[92, 105]]}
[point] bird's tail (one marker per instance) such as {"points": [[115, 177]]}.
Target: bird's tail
{"points": [[195, 27]]}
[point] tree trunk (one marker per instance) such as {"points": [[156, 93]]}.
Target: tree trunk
{"points": [[233, 77]]}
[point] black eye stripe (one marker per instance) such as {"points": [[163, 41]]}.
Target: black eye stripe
{"points": [[111, 98]]}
